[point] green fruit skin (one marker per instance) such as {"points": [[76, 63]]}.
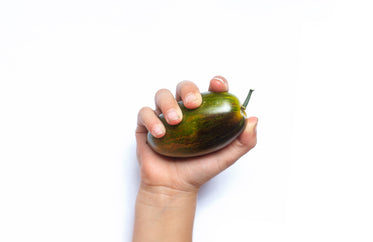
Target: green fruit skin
{"points": [[216, 123]]}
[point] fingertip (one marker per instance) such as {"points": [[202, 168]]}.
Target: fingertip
{"points": [[166, 104], [148, 121], [192, 100], [251, 129], [218, 84], [248, 138], [173, 116], [158, 130], [189, 93], [252, 123]]}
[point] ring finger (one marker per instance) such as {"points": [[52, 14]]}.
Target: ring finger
{"points": [[166, 104]]}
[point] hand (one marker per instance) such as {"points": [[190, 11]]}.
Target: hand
{"points": [[166, 201], [187, 174]]}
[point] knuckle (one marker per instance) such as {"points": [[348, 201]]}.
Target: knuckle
{"points": [[162, 95], [144, 110], [144, 114], [161, 91], [251, 144], [185, 85]]}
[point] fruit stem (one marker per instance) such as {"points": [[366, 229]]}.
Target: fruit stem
{"points": [[247, 99]]}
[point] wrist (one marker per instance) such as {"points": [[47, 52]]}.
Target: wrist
{"points": [[159, 196], [164, 214]]}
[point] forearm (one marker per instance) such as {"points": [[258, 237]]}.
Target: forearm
{"points": [[164, 214]]}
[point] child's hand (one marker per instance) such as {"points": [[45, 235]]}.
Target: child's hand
{"points": [[159, 172]]}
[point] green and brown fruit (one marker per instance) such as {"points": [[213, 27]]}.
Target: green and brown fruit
{"points": [[216, 123]]}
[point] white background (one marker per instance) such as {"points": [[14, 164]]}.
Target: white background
{"points": [[74, 73]]}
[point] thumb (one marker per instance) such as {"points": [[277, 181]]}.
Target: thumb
{"points": [[240, 146]]}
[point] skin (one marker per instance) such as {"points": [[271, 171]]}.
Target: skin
{"points": [[166, 200]]}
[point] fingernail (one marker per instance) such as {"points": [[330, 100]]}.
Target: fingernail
{"points": [[191, 98], [172, 115], [157, 130], [220, 80]]}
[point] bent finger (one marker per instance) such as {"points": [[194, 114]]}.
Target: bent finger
{"points": [[148, 121], [189, 93], [166, 104]]}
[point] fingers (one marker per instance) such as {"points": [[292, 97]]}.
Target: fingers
{"points": [[166, 104], [218, 84], [189, 93]]}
